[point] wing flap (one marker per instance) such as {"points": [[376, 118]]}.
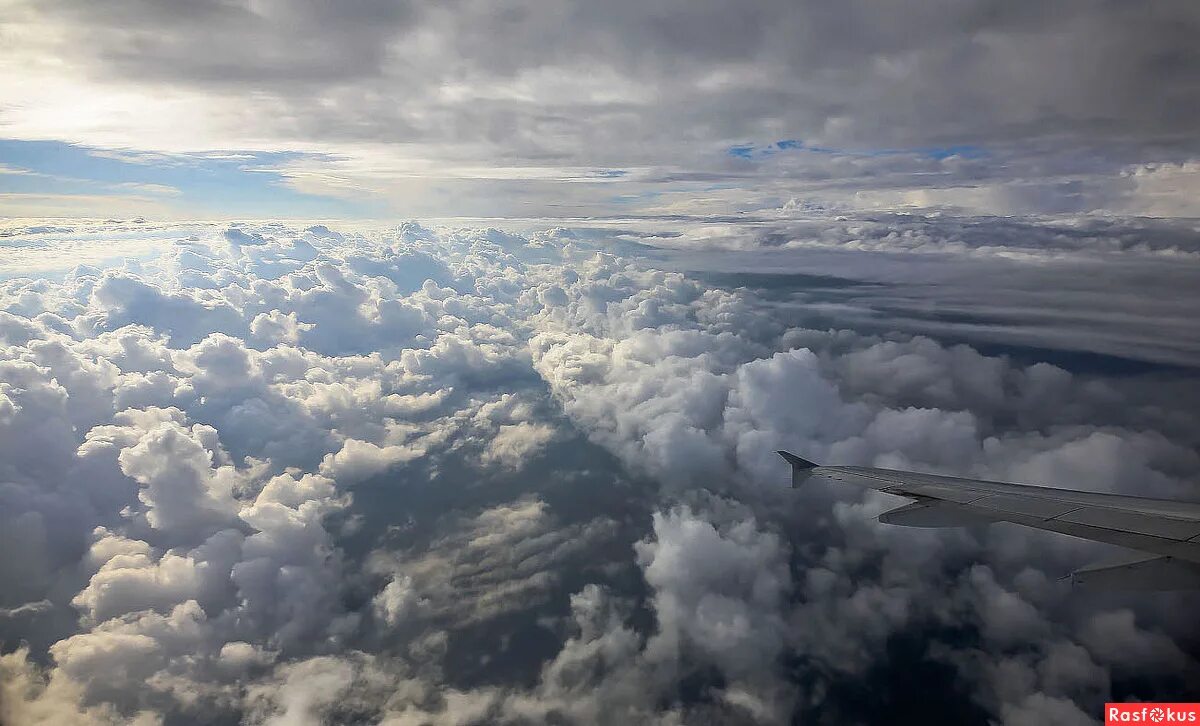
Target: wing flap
{"points": [[1179, 530], [1138, 573]]}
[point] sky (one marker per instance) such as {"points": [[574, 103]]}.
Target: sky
{"points": [[387, 109], [397, 363]]}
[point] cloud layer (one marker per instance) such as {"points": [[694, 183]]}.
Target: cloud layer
{"points": [[284, 475], [465, 108]]}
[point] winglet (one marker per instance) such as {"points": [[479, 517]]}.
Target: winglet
{"points": [[796, 461], [800, 467]]}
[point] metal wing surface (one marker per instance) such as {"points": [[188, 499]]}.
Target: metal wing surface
{"points": [[1169, 531]]}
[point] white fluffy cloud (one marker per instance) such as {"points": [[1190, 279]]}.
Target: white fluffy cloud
{"points": [[290, 475]]}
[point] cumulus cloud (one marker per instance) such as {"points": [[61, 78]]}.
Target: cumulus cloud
{"points": [[457, 476]]}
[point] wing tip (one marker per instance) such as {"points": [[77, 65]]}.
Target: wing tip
{"points": [[796, 461]]}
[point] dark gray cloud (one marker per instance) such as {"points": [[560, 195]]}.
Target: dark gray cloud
{"points": [[1007, 107], [263, 43], [858, 72]]}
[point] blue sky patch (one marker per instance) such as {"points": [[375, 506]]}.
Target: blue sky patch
{"points": [[220, 184], [756, 152]]}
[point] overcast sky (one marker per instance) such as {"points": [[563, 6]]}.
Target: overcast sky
{"points": [[385, 109]]}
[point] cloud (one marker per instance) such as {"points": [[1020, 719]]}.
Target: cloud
{"points": [[462, 475], [29, 698], [550, 106], [505, 559], [732, 64], [721, 593], [361, 459]]}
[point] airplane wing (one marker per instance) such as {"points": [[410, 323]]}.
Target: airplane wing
{"points": [[1166, 532]]}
